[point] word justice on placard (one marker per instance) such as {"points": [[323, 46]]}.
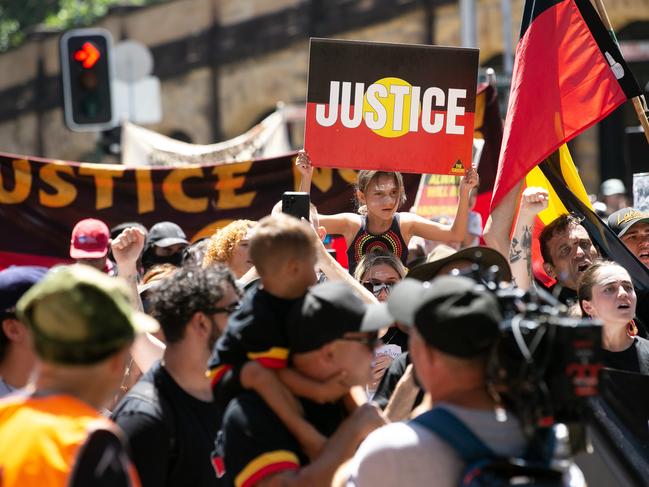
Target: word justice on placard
{"points": [[377, 116]]}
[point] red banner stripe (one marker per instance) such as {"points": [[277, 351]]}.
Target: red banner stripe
{"points": [[12, 258]]}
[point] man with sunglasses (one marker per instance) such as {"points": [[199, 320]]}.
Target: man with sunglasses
{"points": [[331, 333], [168, 416]]}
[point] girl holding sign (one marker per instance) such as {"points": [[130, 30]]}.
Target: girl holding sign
{"points": [[378, 224]]}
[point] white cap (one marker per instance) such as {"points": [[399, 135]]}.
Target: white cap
{"points": [[611, 187]]}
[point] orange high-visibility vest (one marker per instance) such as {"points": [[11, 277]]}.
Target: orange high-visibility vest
{"points": [[40, 438]]}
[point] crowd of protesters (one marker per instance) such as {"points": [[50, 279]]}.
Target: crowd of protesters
{"points": [[254, 358]]}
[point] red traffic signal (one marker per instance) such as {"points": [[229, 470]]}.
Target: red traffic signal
{"points": [[88, 55], [87, 73]]}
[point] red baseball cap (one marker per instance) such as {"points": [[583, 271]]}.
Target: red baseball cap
{"points": [[89, 239]]}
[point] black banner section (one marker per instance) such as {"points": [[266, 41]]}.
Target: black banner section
{"points": [[41, 200]]}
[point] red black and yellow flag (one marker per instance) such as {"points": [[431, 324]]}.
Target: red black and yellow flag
{"points": [[568, 75]]}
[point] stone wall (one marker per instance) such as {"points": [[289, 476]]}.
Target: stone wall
{"points": [[218, 81]]}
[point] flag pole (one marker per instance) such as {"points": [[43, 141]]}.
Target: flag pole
{"points": [[639, 103]]}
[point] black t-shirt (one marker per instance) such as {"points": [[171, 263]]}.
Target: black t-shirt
{"points": [[389, 382], [102, 462], [171, 433], [254, 443], [394, 336], [633, 359], [566, 295], [256, 331]]}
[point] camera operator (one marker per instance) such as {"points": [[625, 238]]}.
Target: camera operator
{"points": [[454, 325]]}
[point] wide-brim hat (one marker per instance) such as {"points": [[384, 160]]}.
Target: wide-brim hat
{"points": [[487, 258]]}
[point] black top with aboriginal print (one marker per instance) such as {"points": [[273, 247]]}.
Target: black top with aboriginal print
{"points": [[365, 242]]}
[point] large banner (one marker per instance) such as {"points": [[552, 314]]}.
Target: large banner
{"points": [[41, 200], [143, 147], [391, 106]]}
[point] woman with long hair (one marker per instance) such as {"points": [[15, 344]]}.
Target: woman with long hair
{"points": [[606, 293]]}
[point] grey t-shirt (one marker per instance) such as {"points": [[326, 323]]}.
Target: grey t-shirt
{"points": [[411, 455], [5, 389]]}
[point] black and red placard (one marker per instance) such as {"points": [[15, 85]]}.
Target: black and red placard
{"points": [[391, 107]]}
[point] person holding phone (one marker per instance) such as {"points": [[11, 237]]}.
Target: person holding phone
{"points": [[378, 272]]}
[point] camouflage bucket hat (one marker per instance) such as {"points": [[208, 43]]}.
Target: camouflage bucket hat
{"points": [[79, 315]]}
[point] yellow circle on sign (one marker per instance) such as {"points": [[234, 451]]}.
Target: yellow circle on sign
{"points": [[388, 104]]}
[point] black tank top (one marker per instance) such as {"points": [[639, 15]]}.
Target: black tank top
{"points": [[365, 242]]}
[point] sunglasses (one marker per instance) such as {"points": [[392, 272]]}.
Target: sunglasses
{"points": [[375, 287], [229, 309], [370, 341]]}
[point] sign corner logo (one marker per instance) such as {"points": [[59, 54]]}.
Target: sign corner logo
{"points": [[458, 167]]}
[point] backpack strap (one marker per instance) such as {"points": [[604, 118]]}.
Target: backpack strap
{"points": [[454, 432]]}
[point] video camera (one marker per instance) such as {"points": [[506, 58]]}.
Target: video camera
{"points": [[546, 369], [546, 364]]}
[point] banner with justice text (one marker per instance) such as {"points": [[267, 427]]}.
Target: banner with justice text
{"points": [[41, 199]]}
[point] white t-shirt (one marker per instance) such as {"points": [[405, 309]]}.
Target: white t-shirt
{"points": [[404, 455]]}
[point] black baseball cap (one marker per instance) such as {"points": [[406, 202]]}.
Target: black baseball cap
{"points": [[452, 313], [621, 220], [166, 234], [486, 258], [327, 312]]}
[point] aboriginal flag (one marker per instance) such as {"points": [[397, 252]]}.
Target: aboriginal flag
{"points": [[391, 107], [568, 75]]}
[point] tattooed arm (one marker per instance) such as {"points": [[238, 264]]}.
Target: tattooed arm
{"points": [[533, 201]]}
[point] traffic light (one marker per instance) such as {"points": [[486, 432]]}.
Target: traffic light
{"points": [[87, 70]]}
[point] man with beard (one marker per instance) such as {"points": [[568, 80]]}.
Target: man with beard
{"points": [[632, 226], [567, 252], [566, 247], [168, 416]]}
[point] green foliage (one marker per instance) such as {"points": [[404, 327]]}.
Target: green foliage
{"points": [[18, 16]]}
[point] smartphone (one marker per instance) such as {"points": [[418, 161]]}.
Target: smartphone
{"points": [[296, 204]]}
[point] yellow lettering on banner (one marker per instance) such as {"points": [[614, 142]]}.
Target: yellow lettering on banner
{"points": [[209, 229], [144, 186], [65, 192], [349, 175], [22, 183], [435, 179], [437, 191], [322, 178], [103, 182], [172, 188], [228, 182]]}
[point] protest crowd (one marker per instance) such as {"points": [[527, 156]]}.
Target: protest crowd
{"points": [[258, 352], [258, 356]]}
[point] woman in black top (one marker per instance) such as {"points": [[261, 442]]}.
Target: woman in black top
{"points": [[606, 293]]}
